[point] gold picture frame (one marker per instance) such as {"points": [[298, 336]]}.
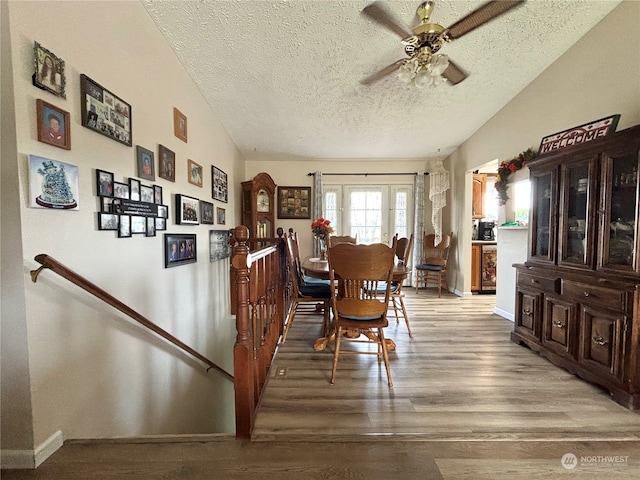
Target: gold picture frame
{"points": [[180, 125]]}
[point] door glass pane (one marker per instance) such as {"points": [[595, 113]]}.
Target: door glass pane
{"points": [[331, 208], [576, 214], [400, 217], [366, 216], [622, 226], [543, 213]]}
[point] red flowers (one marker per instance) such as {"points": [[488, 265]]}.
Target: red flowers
{"points": [[321, 228]]}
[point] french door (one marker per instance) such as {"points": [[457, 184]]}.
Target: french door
{"points": [[373, 213]]}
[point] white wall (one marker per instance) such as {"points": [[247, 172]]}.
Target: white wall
{"points": [[597, 77], [94, 373]]}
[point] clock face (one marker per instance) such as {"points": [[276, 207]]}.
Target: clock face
{"points": [[263, 201]]}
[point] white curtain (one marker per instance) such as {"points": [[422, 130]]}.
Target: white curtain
{"points": [[318, 206], [439, 183], [418, 223]]}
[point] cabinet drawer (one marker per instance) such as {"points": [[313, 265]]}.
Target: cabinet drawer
{"points": [[602, 297], [528, 280]]}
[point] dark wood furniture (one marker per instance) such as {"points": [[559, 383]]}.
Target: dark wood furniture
{"points": [[258, 210], [578, 294]]}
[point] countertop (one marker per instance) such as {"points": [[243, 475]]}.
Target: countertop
{"points": [[484, 242]]}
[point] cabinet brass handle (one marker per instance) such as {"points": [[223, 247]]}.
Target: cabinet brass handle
{"points": [[557, 323], [599, 341], [586, 294], [527, 312]]}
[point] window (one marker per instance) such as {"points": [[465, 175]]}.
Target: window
{"points": [[521, 194]]}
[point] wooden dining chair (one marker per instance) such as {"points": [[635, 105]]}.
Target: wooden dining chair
{"points": [[435, 258], [305, 296], [403, 247], [336, 239], [355, 272]]}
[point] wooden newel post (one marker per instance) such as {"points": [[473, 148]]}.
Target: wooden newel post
{"points": [[243, 348]]}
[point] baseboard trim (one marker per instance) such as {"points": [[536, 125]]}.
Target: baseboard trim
{"points": [[504, 314], [30, 459]]}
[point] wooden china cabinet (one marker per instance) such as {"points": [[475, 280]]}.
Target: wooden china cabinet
{"points": [[258, 209], [578, 293]]}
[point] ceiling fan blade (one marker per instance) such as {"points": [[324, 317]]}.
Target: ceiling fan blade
{"points": [[382, 73], [382, 16], [454, 74], [480, 16]]}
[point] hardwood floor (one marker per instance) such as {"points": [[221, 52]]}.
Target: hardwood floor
{"points": [[466, 404]]}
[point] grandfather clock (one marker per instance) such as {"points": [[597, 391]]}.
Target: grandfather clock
{"points": [[258, 206]]}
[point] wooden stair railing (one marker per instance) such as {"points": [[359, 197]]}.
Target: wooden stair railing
{"points": [[260, 308], [48, 262]]}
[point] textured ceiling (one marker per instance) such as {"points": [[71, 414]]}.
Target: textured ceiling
{"points": [[283, 76]]}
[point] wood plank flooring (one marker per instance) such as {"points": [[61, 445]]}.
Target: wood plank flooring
{"points": [[466, 404]]}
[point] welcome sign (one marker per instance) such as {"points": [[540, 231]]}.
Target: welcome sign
{"points": [[577, 135]]}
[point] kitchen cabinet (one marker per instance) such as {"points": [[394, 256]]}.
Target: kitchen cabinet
{"points": [[476, 261], [578, 292], [479, 189]]}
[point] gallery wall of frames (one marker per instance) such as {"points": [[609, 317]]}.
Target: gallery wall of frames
{"points": [[125, 206]]}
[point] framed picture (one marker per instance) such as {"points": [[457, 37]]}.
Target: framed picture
{"points": [[167, 163], [134, 189], [179, 249], [124, 229], [187, 210], [207, 212], [157, 194], [54, 126], [179, 125], [107, 221], [221, 214], [104, 112], [219, 185], [151, 226], [294, 202], [138, 224], [120, 190], [194, 173], [53, 184], [219, 247], [147, 194], [163, 211], [104, 183], [49, 71], [161, 223], [145, 163]]}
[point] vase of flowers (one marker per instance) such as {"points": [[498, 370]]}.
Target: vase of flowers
{"points": [[322, 229], [506, 168]]}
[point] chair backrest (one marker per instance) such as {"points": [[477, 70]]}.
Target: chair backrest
{"points": [[336, 239], [403, 249], [295, 266], [436, 254], [355, 272]]}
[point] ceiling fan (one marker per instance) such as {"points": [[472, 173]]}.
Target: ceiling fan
{"points": [[424, 65]]}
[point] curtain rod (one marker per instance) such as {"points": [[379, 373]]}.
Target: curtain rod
{"points": [[312, 174]]}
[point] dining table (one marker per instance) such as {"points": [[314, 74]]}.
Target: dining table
{"points": [[317, 267]]}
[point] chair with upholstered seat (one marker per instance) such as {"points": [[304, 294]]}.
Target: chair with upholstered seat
{"points": [[355, 273], [433, 267], [336, 239], [403, 248], [305, 296]]}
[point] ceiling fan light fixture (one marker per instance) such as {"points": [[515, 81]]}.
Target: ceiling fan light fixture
{"points": [[423, 79]]}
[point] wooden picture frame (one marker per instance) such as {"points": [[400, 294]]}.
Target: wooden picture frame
{"points": [[54, 125], [166, 163], [221, 215], [179, 249], [187, 210], [104, 183], [294, 202], [194, 173], [179, 125], [145, 163], [49, 71], [219, 187], [207, 213], [105, 113]]}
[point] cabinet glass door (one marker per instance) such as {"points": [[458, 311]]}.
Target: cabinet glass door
{"points": [[620, 221], [543, 191], [577, 227]]}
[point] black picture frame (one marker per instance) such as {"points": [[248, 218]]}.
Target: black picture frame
{"points": [[145, 162], [157, 194], [163, 211], [108, 221], [179, 249], [121, 190], [138, 225], [124, 227], [104, 183], [166, 163], [219, 186], [134, 189], [221, 215], [206, 214], [161, 224], [294, 202], [147, 194], [187, 210], [49, 71], [104, 112], [151, 227]]}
